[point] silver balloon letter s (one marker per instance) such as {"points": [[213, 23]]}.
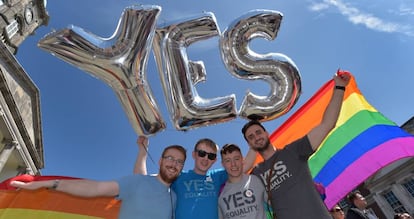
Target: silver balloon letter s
{"points": [[120, 61], [179, 75], [276, 69]]}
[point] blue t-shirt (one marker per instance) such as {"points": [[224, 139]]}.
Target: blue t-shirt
{"points": [[197, 195], [145, 197]]}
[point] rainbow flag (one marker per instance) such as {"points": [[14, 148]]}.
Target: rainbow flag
{"points": [[44, 203], [362, 142]]}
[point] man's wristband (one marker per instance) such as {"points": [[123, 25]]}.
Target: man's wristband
{"points": [[340, 87], [55, 184]]}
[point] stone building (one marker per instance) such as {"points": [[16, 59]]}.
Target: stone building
{"points": [[21, 144], [391, 189]]}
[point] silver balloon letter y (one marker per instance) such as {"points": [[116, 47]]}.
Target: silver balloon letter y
{"points": [[120, 61]]}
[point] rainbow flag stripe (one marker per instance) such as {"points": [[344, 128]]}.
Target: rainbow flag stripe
{"points": [[362, 142], [44, 203]]}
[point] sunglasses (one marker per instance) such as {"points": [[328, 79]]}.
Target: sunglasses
{"points": [[336, 210], [210, 156]]}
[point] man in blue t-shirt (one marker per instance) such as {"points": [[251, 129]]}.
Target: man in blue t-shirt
{"points": [[139, 193]]}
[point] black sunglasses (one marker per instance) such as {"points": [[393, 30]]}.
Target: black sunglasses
{"points": [[336, 210], [210, 156]]}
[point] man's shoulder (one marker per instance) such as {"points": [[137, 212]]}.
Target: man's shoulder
{"points": [[300, 141], [254, 177], [185, 174], [259, 166], [354, 213], [213, 172], [139, 176], [216, 171], [219, 175]]}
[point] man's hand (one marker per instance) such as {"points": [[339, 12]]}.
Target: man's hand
{"points": [[29, 185], [342, 78], [142, 142], [140, 165]]}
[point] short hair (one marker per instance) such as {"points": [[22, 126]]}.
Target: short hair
{"points": [[352, 196], [208, 142], [177, 147], [229, 148], [251, 123]]}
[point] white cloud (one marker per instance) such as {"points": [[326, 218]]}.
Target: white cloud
{"points": [[405, 10], [319, 6], [355, 16]]}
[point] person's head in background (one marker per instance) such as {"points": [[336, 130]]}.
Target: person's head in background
{"points": [[337, 212], [204, 155], [357, 200], [402, 216]]}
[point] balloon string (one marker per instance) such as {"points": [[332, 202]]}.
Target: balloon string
{"points": [[149, 155]]}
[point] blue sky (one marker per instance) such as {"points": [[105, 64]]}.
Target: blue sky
{"points": [[86, 132]]}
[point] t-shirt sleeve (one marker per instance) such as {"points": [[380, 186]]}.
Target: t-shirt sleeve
{"points": [[220, 213], [301, 147], [255, 169], [127, 183], [219, 174]]}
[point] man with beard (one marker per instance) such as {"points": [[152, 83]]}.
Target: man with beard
{"points": [[285, 172], [140, 194]]}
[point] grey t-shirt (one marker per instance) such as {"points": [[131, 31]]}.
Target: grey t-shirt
{"points": [[293, 194], [243, 200]]}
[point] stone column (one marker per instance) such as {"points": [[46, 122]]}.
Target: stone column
{"points": [[404, 197]]}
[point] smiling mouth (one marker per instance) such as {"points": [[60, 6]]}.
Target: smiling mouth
{"points": [[172, 169], [260, 141]]}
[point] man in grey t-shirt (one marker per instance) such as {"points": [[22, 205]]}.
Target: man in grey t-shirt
{"points": [[285, 173], [243, 196]]}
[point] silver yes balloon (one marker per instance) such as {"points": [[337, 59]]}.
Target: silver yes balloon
{"points": [[121, 61], [276, 69], [180, 75]]}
